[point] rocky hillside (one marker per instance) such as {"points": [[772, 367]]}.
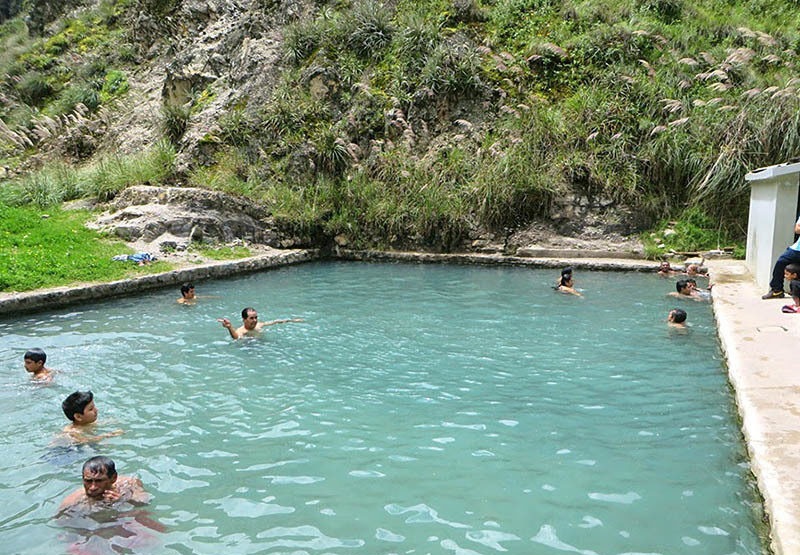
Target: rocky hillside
{"points": [[440, 124]]}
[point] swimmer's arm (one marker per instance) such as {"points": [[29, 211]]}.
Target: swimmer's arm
{"points": [[77, 436], [283, 321], [570, 290], [70, 500], [138, 495], [228, 326]]}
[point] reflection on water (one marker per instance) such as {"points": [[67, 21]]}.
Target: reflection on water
{"points": [[109, 532], [417, 409]]}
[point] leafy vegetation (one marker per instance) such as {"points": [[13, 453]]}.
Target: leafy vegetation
{"points": [[222, 253], [659, 105], [43, 250], [99, 181], [421, 123], [692, 232]]}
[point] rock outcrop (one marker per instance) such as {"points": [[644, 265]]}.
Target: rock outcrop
{"points": [[175, 216]]}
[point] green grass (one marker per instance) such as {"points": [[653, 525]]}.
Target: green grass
{"points": [[38, 251], [100, 180], [693, 231], [222, 253]]}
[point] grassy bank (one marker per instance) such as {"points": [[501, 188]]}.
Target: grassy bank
{"points": [[44, 249]]}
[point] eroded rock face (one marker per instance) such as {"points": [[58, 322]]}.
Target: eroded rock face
{"points": [[180, 215]]}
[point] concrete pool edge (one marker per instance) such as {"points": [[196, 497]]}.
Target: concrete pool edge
{"points": [[758, 340], [58, 297]]}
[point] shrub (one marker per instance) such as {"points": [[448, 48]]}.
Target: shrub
{"points": [[110, 175], [667, 11], [33, 88], [115, 83], [45, 188], [301, 39], [74, 95], [330, 151], [452, 69], [175, 121], [368, 27]]}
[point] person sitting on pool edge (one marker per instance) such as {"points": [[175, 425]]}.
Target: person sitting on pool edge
{"points": [[34, 360], [79, 407], [792, 273], [102, 487], [187, 294], [677, 318], [566, 285], [250, 324]]}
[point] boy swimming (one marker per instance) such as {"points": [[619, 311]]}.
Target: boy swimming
{"points": [[34, 363], [79, 407]]}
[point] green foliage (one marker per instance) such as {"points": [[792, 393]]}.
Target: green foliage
{"points": [[73, 95], [452, 69], [419, 120], [100, 181], [230, 174], [175, 120], [33, 88], [667, 11], [368, 27], [104, 179], [221, 253], [115, 84], [45, 250], [693, 231]]}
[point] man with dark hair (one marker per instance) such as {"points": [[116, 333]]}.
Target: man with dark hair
{"points": [[677, 318], [102, 486], [34, 360], [250, 324], [79, 407], [187, 294], [684, 289], [790, 256]]}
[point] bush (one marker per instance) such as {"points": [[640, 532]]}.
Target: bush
{"points": [[667, 11], [45, 188], [69, 99], [33, 88], [115, 83], [175, 121], [368, 27], [453, 69], [112, 174]]}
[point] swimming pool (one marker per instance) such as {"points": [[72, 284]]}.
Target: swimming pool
{"points": [[418, 409]]}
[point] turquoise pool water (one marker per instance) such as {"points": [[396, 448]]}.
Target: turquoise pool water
{"points": [[418, 409]]}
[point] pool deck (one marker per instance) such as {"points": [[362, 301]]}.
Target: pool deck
{"points": [[759, 342], [761, 347]]}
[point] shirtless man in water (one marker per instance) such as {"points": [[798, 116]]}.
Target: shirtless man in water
{"points": [[250, 324], [102, 487]]}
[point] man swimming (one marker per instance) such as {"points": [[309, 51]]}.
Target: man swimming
{"points": [[250, 325], [102, 486], [187, 294]]}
